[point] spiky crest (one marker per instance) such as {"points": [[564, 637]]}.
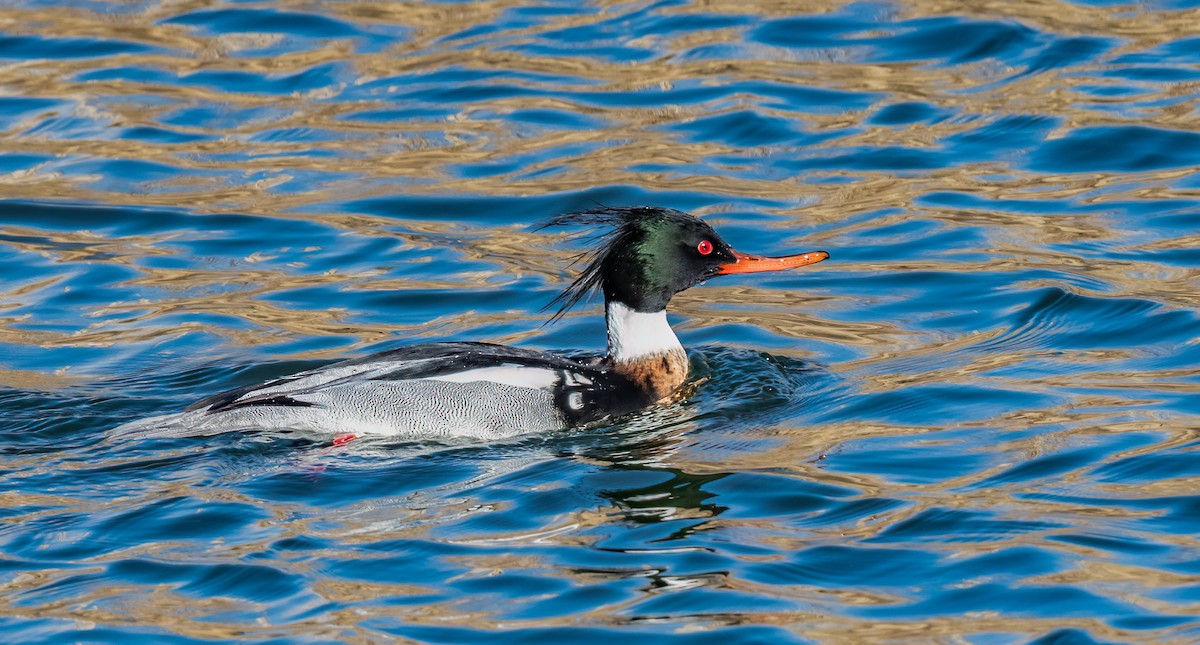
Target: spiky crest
{"points": [[627, 223]]}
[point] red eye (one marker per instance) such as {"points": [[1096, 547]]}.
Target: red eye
{"points": [[704, 247]]}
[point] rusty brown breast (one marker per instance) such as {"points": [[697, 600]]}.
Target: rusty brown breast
{"points": [[659, 375]]}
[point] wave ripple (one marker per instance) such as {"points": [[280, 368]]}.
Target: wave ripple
{"points": [[975, 423]]}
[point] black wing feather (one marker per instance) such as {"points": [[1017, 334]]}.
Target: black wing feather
{"points": [[229, 399]]}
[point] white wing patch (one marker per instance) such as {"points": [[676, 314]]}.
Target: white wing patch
{"points": [[538, 378], [575, 401]]}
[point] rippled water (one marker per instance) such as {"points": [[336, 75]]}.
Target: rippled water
{"points": [[977, 422]]}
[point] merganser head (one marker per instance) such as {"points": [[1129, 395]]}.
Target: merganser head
{"points": [[654, 253]]}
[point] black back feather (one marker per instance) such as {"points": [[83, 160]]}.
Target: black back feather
{"points": [[626, 223]]}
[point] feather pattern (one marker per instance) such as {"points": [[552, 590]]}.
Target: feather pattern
{"points": [[627, 223], [438, 389]]}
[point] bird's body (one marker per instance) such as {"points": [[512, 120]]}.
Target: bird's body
{"points": [[482, 390], [437, 390]]}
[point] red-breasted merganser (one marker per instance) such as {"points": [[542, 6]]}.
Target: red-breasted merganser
{"points": [[488, 391]]}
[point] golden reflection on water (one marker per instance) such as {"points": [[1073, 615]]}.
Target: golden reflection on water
{"points": [[414, 157], [472, 138]]}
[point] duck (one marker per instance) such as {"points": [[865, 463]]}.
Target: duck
{"points": [[482, 390]]}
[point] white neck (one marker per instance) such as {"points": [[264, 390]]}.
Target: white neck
{"points": [[634, 335]]}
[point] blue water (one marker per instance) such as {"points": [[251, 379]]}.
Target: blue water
{"points": [[976, 423]]}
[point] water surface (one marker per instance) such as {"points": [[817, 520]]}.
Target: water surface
{"points": [[975, 423]]}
